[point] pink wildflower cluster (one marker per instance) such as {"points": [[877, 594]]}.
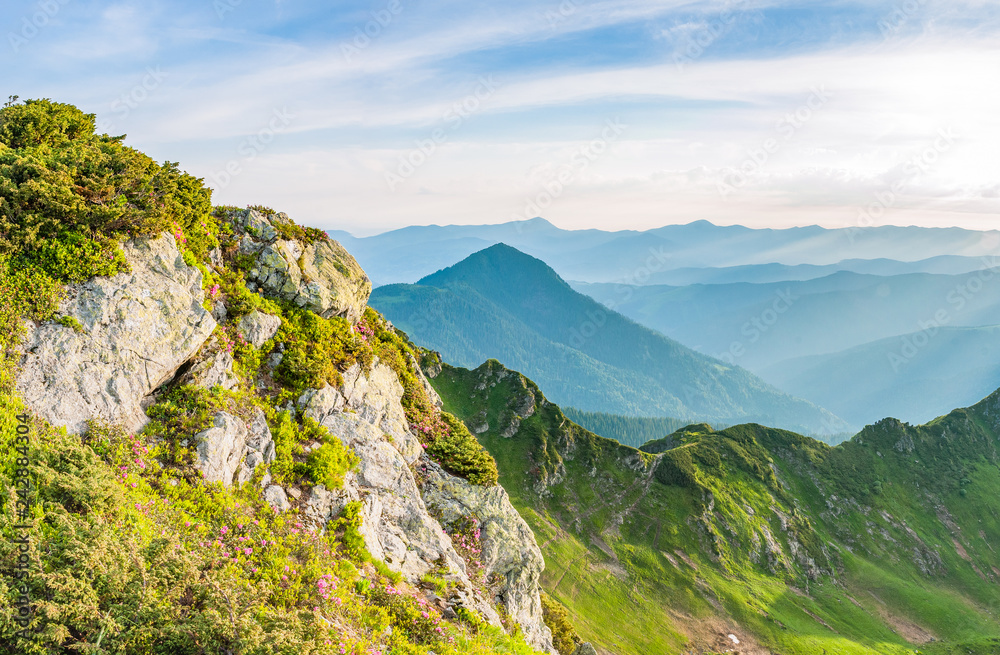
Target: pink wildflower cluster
{"points": [[365, 331], [213, 292], [325, 586], [230, 338], [136, 462], [428, 427], [466, 537], [232, 543], [179, 234]]}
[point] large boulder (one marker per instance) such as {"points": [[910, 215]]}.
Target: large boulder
{"points": [[509, 552], [321, 276], [374, 398], [230, 450], [258, 327], [137, 330]]}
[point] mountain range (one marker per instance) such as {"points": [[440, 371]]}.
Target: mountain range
{"points": [[502, 304], [914, 377], [213, 444], [750, 539], [848, 327], [629, 256]]}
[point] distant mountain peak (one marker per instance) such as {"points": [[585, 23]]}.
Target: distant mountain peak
{"points": [[504, 259], [537, 221]]}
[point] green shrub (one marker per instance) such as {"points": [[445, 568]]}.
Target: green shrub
{"points": [[458, 452], [68, 195], [564, 636], [75, 258], [239, 300], [285, 433], [70, 322], [327, 464], [677, 469], [346, 529], [317, 349], [418, 619]]}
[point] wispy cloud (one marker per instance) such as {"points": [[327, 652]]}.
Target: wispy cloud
{"points": [[896, 74]]}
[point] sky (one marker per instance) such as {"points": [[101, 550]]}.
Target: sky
{"points": [[369, 116]]}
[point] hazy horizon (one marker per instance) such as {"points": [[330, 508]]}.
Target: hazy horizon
{"points": [[361, 233]]}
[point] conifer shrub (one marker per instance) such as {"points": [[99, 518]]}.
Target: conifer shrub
{"points": [[676, 468], [458, 452], [68, 196], [317, 349], [564, 635]]}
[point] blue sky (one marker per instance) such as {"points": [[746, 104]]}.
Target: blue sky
{"points": [[366, 116]]}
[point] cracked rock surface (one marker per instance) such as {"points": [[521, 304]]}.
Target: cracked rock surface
{"points": [[137, 330]]}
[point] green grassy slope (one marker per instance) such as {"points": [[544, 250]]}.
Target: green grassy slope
{"points": [[502, 303], [883, 545]]}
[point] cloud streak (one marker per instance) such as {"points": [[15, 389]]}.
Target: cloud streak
{"points": [[561, 69]]}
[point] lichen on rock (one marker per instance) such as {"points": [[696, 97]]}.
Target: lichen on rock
{"points": [[138, 328], [320, 276], [509, 552]]}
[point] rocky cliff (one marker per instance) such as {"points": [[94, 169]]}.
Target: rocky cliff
{"points": [[126, 343], [131, 333]]}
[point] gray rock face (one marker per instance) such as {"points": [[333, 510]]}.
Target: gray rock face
{"points": [[320, 276], [230, 450], [259, 437], [258, 327], [221, 448], [508, 545], [396, 526], [407, 538], [585, 649], [215, 370], [276, 498], [138, 328], [426, 384], [374, 398]]}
